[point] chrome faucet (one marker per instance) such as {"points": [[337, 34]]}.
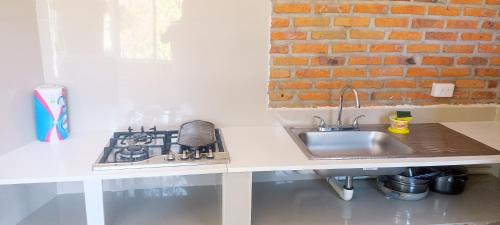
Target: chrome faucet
{"points": [[355, 124]]}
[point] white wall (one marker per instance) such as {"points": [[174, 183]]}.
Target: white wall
{"points": [[498, 114], [20, 71], [216, 69]]}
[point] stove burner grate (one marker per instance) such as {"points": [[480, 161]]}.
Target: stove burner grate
{"points": [[133, 153]]}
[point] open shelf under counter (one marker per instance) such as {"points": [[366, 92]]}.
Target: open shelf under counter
{"points": [[61, 210], [313, 202], [190, 205]]}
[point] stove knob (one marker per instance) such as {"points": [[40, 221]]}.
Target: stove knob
{"points": [[170, 156], [210, 154], [184, 155], [197, 154]]}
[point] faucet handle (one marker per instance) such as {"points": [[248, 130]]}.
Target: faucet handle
{"points": [[322, 123], [355, 122]]}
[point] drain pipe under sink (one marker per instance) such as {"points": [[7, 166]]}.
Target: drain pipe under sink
{"points": [[344, 191]]}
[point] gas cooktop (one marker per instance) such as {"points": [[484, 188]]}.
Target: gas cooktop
{"points": [[153, 148]]}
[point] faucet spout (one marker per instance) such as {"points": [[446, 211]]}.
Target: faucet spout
{"points": [[341, 102]]}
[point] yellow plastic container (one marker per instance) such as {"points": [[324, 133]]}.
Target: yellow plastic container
{"points": [[399, 125]]}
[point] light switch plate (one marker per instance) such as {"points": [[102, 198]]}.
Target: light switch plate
{"points": [[442, 90]]}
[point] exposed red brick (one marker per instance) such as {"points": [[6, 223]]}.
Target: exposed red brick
{"points": [[493, 2], [369, 8], [417, 96], [462, 24], [280, 96], [313, 73], [428, 48], [455, 72], [495, 61], [391, 22], [473, 61], [386, 48], [295, 85], [330, 84], [400, 84], [351, 21], [479, 12], [387, 96], [310, 48], [468, 2], [408, 9], [348, 48], [349, 72], [437, 60], [489, 48], [470, 83], [493, 84], [367, 34], [280, 73], [286, 61], [311, 22], [422, 72], [280, 22], [365, 60], [366, 84], [327, 61], [398, 60], [458, 48], [314, 96], [319, 35], [386, 72], [483, 95], [444, 11], [405, 35], [334, 8], [491, 25], [441, 36], [487, 72], [288, 35], [279, 49], [477, 36], [427, 23], [428, 83], [292, 8]]}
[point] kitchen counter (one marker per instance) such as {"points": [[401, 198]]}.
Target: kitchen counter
{"points": [[251, 149], [271, 148], [72, 160]]}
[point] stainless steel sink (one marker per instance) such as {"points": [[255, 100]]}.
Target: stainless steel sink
{"points": [[351, 144], [348, 144], [372, 141]]}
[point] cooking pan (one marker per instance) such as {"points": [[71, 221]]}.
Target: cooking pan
{"points": [[197, 133], [451, 180]]}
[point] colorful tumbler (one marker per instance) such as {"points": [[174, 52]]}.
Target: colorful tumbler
{"points": [[51, 113]]}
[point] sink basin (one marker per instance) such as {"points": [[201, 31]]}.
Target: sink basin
{"points": [[348, 144], [352, 144]]}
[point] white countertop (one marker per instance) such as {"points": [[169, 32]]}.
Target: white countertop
{"points": [[250, 148], [267, 149], [72, 160]]}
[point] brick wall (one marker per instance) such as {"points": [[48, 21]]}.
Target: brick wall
{"points": [[391, 51]]}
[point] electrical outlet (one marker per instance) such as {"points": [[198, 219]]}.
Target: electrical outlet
{"points": [[442, 90]]}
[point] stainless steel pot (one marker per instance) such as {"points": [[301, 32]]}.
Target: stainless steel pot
{"points": [[407, 187], [451, 180], [413, 180]]}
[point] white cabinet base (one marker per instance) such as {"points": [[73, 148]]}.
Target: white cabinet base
{"points": [[237, 199]]}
